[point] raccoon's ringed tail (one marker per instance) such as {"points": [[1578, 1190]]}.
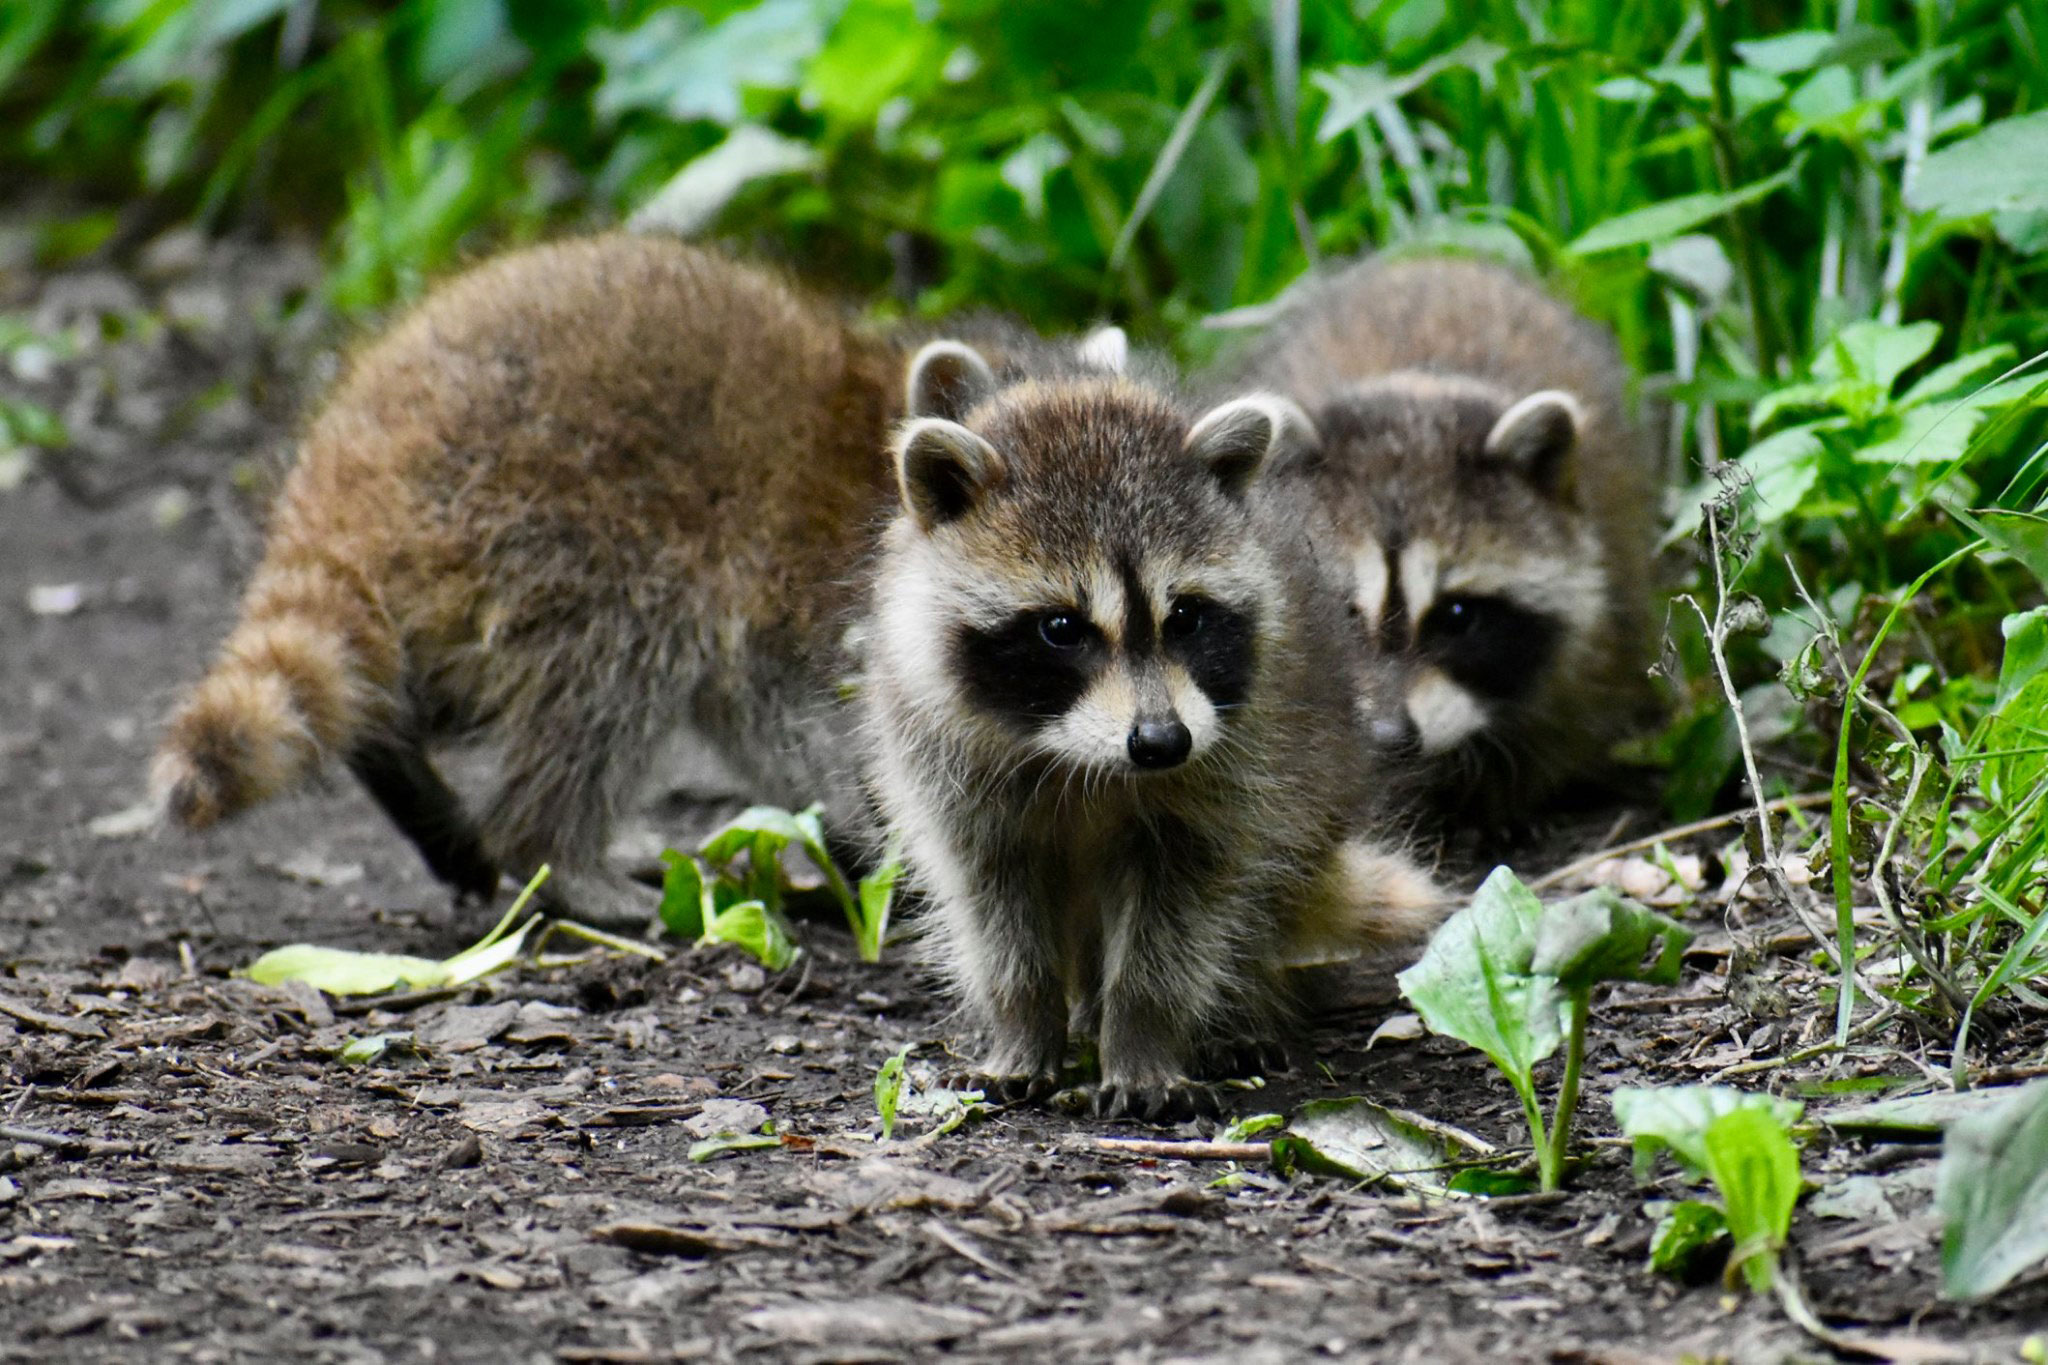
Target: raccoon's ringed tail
{"points": [[294, 683]]}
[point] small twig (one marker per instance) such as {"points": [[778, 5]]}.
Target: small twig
{"points": [[1188, 1151], [1676, 832], [399, 1000], [1863, 1030], [967, 1251], [36, 1137]]}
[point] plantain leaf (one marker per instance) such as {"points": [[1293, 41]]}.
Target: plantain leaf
{"points": [[1678, 1116], [1752, 1162], [1603, 936], [1992, 1190], [1355, 1139], [343, 971], [1474, 981]]}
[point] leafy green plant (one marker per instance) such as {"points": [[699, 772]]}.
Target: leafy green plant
{"points": [[1743, 1144], [343, 971], [1514, 978], [889, 1090], [1992, 1191], [715, 898]]}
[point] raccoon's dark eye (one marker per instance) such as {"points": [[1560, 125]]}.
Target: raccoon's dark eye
{"points": [[1187, 618], [1453, 617], [1063, 630]]}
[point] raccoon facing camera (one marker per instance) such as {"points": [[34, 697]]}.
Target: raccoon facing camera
{"points": [[1479, 471], [1111, 716]]}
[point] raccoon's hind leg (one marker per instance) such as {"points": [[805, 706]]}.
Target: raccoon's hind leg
{"points": [[571, 766], [399, 777]]}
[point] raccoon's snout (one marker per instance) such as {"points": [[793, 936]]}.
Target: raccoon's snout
{"points": [[1157, 743]]}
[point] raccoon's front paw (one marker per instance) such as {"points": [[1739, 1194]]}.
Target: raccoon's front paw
{"points": [[1004, 1087], [1168, 1101]]}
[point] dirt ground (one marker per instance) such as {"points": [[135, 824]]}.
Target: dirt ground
{"points": [[187, 1172]]}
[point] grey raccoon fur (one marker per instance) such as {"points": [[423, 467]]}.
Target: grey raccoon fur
{"points": [[1479, 468], [1109, 713]]}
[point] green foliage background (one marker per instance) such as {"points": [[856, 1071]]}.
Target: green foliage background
{"points": [[1820, 231]]}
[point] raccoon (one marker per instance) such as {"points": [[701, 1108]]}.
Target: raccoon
{"points": [[582, 496], [1109, 714], [1479, 468]]}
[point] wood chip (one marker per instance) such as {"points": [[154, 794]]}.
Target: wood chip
{"points": [[50, 1023], [679, 1239]]}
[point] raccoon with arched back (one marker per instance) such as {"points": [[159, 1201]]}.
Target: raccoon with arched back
{"points": [[1478, 466], [581, 498]]}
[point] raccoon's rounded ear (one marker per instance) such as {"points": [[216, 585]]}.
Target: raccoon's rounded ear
{"points": [[1538, 435], [943, 469], [1106, 348], [1236, 440], [947, 378]]}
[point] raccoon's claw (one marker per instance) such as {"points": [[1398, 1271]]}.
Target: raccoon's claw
{"points": [[1240, 1057], [1164, 1102], [1004, 1087]]}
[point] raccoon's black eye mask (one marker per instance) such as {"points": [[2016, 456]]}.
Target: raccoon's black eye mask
{"points": [[1495, 647], [1034, 666]]}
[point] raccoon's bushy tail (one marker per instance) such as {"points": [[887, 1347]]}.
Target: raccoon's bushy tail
{"points": [[310, 667]]}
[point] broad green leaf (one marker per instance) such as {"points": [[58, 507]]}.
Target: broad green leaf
{"points": [[361, 1051], [1943, 380], [2023, 535], [1250, 1126], [1934, 434], [1784, 53], [1875, 352], [1661, 222], [1685, 1233], [1355, 1139], [1750, 90], [1489, 1183], [878, 49], [682, 896], [1992, 1190], [673, 64], [739, 833], [1678, 1116], [1602, 936], [695, 195], [889, 1089], [2003, 169], [1473, 982], [342, 971], [719, 1145], [2026, 650], [877, 894], [751, 925], [1752, 1161]]}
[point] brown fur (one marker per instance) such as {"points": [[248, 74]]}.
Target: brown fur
{"points": [[1405, 367], [581, 495]]}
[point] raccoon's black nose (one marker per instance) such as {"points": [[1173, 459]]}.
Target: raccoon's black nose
{"points": [[1160, 743], [1394, 734]]}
